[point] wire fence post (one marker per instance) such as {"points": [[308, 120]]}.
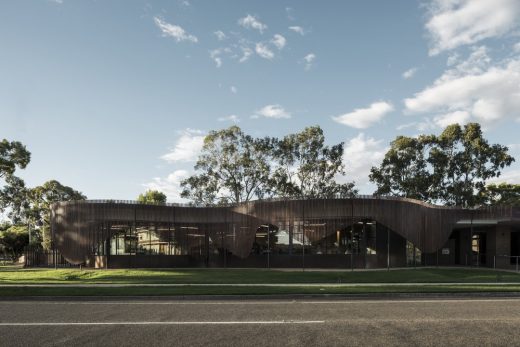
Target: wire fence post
{"points": [[517, 264], [351, 261], [268, 248], [387, 249], [303, 247], [494, 262]]}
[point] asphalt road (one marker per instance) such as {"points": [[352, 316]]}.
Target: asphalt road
{"points": [[399, 322]]}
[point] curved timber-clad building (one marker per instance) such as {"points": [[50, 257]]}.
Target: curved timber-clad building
{"points": [[362, 232]]}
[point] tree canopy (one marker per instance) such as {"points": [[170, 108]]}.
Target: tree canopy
{"points": [[28, 206], [235, 167], [152, 197], [502, 194], [451, 168], [39, 200], [13, 155], [13, 239], [306, 167]]}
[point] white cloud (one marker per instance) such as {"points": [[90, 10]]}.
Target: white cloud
{"points": [[297, 29], [516, 47], [476, 63], [486, 92], [251, 22], [360, 154], [272, 111], [425, 125], [454, 23], [409, 73], [279, 41], [263, 51], [233, 89], [215, 55], [460, 117], [246, 54], [362, 118], [171, 185], [309, 60], [511, 176], [220, 35], [175, 31], [231, 118], [452, 59], [187, 147], [289, 11]]}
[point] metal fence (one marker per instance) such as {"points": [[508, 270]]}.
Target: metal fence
{"points": [[507, 261], [37, 257]]}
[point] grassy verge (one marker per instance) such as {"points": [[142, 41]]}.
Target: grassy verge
{"points": [[199, 290], [252, 276]]}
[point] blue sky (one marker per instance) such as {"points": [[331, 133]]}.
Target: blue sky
{"points": [[114, 97]]}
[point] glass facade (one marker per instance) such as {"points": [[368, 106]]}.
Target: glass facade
{"points": [[354, 240]]}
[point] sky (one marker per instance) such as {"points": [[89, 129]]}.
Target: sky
{"points": [[114, 97]]}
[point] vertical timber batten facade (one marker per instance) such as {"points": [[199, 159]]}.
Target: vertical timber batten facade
{"points": [[362, 232]]}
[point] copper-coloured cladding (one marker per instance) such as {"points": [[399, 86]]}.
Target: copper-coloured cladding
{"points": [[79, 226]]}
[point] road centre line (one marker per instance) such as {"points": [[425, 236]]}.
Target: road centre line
{"points": [[277, 322], [8, 324], [260, 303]]}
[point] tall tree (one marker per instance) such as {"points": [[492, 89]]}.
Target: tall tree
{"points": [[502, 194], [451, 168], [40, 198], [14, 198], [233, 167], [153, 197], [306, 167], [464, 162], [405, 171], [13, 156]]}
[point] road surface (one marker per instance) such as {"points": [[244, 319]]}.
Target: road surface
{"points": [[388, 322]]}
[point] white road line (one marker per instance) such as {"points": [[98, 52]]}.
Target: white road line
{"points": [[279, 322], [166, 323], [295, 302]]}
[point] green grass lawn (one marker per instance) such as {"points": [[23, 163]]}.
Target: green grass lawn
{"points": [[195, 277], [10, 275]]}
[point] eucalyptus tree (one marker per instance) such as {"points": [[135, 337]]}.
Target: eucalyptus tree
{"points": [[306, 167], [502, 194], [233, 167], [39, 200], [452, 168], [28, 206], [13, 155], [405, 169], [464, 162]]}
